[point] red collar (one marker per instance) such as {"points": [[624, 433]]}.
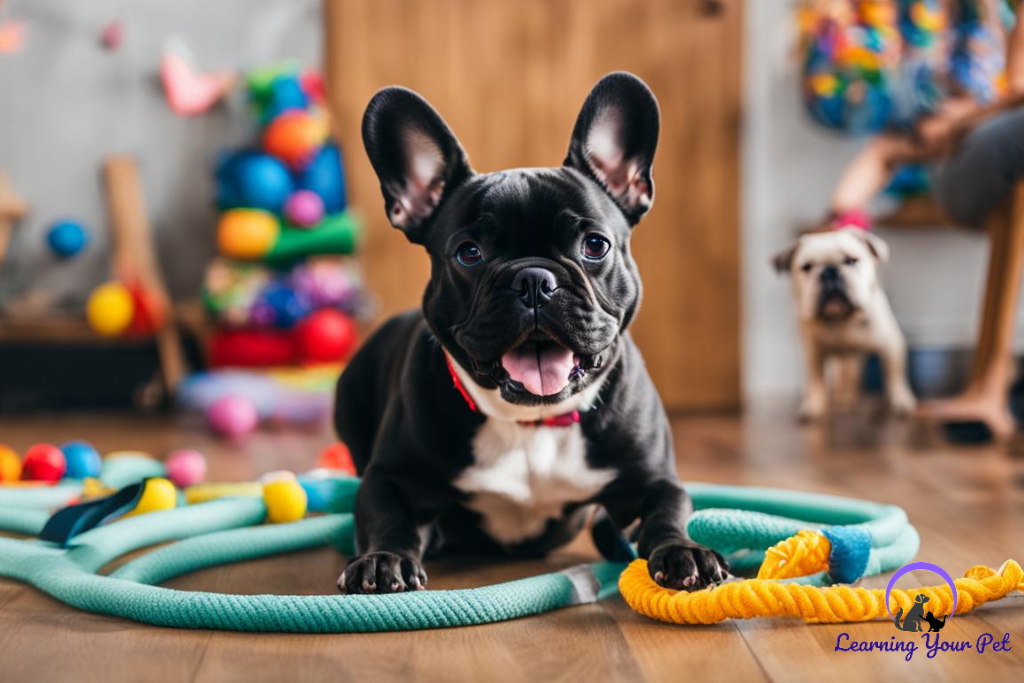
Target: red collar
{"points": [[854, 218], [563, 420]]}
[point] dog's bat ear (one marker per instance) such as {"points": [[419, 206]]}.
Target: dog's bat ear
{"points": [[875, 244], [416, 156], [614, 141], [783, 261]]}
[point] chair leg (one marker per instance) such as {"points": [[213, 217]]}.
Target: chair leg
{"points": [[986, 398], [135, 258]]}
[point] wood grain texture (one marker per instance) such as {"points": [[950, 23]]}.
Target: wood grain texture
{"points": [[967, 504], [510, 77]]}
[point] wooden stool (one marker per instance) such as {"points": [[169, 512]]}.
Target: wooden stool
{"points": [[12, 209], [134, 259], [986, 398]]}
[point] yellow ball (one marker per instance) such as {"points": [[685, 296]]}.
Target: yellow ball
{"points": [[203, 493], [94, 488], [246, 234], [285, 500], [158, 494], [110, 309], [10, 465]]}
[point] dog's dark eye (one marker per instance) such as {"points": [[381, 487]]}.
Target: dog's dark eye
{"points": [[849, 261], [807, 267], [469, 255], [595, 247]]}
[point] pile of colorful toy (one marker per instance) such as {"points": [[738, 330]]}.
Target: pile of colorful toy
{"points": [[46, 463], [236, 401], [78, 463], [872, 65], [76, 474], [277, 300], [852, 53], [124, 309], [116, 308]]}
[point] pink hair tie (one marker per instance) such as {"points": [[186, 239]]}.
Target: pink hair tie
{"points": [[855, 218]]}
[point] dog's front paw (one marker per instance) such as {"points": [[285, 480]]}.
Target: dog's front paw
{"points": [[382, 572], [902, 403], [686, 566], [812, 409]]}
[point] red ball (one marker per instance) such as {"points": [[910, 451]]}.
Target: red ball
{"points": [[149, 312], [43, 462], [337, 457], [324, 337]]}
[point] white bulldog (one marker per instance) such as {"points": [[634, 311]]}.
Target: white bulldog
{"points": [[845, 315]]}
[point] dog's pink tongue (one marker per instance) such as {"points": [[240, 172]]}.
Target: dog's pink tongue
{"points": [[543, 370]]}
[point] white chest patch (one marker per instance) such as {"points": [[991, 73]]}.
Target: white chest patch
{"points": [[523, 476]]}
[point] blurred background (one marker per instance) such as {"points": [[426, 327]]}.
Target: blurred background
{"points": [[740, 170]]}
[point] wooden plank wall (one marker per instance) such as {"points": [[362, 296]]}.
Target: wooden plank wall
{"points": [[509, 77]]}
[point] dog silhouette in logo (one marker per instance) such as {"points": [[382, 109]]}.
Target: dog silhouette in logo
{"points": [[914, 616], [936, 625]]}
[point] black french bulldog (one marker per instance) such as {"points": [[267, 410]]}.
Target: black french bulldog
{"points": [[493, 419]]}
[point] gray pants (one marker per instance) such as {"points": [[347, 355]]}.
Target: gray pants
{"points": [[983, 171]]}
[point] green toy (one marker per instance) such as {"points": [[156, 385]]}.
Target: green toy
{"points": [[335, 234], [870, 538]]}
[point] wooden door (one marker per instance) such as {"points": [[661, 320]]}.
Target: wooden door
{"points": [[509, 77]]}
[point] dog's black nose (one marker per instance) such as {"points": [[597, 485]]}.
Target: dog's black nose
{"points": [[534, 286], [830, 274]]}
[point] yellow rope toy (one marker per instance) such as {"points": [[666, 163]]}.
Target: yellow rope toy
{"points": [[802, 555]]}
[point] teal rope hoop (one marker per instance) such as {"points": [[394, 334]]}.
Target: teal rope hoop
{"points": [[740, 522]]}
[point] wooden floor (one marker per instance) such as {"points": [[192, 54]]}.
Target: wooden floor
{"points": [[967, 503]]}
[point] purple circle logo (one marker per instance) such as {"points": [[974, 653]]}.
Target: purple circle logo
{"points": [[927, 566]]}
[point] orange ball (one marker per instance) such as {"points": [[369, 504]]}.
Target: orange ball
{"points": [[247, 234], [337, 457], [10, 465], [294, 137]]}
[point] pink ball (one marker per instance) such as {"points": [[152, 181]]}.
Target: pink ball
{"points": [[232, 416], [186, 467], [304, 208]]}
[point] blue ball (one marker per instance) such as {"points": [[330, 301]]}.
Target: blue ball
{"points": [[83, 460], [285, 94], [67, 238], [288, 307], [325, 175], [253, 180]]}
